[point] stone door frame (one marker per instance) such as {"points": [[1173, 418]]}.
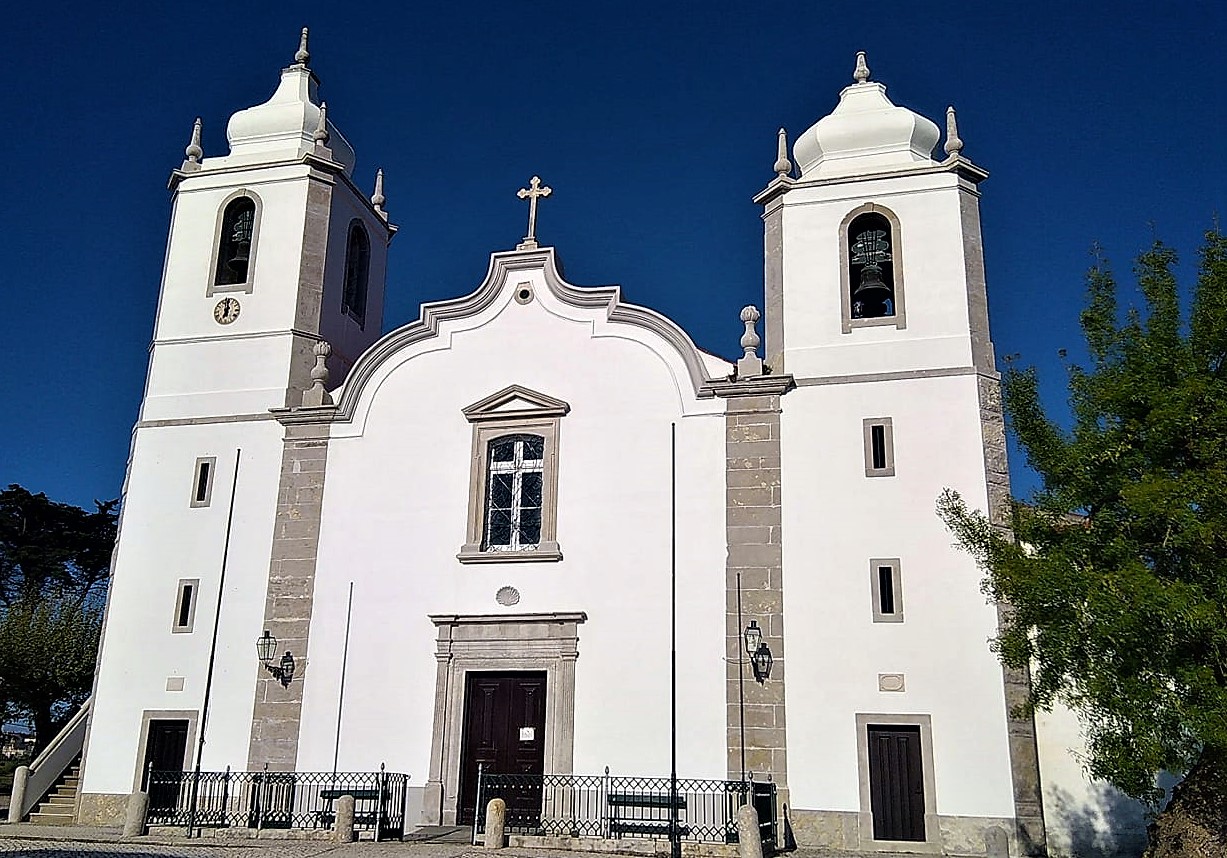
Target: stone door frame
{"points": [[498, 642]]}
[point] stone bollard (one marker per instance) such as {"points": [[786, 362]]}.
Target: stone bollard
{"points": [[496, 823], [996, 844], [138, 810], [749, 836], [343, 824], [17, 799]]}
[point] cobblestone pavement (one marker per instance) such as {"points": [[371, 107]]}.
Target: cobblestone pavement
{"points": [[231, 849]]}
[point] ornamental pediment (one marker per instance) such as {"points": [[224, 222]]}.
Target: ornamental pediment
{"points": [[515, 401]]}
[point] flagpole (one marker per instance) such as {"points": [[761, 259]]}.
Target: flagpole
{"points": [[217, 620], [675, 843]]}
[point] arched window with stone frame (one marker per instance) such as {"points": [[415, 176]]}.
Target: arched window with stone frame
{"points": [[357, 272], [871, 275], [234, 247]]}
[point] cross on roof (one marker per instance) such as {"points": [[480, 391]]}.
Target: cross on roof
{"points": [[532, 193]]}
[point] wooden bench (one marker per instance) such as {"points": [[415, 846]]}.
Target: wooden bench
{"points": [[653, 802]]}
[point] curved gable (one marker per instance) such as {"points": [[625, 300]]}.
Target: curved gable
{"points": [[502, 267]]}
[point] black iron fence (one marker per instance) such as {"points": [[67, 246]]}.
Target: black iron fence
{"points": [[277, 799], [611, 807]]}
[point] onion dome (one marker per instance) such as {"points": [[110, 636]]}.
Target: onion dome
{"points": [[865, 133], [288, 125]]}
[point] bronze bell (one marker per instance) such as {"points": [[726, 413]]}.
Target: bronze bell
{"points": [[238, 262], [872, 287]]}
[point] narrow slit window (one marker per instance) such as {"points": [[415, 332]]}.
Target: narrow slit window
{"points": [[878, 442], [185, 606], [879, 447], [886, 589], [887, 593], [202, 481]]}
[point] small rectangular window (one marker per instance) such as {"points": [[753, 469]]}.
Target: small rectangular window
{"points": [[185, 605], [886, 589], [887, 592], [879, 447], [202, 480]]}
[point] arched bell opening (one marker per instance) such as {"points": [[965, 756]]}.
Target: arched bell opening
{"points": [[234, 243], [871, 267]]}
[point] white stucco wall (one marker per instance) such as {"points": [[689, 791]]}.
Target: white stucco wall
{"points": [[163, 540], [935, 283], [395, 504], [835, 520], [1084, 817]]}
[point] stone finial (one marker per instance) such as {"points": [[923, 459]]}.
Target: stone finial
{"points": [[862, 68], [783, 166], [377, 198], [954, 143], [321, 126], [750, 363], [302, 56], [316, 396], [193, 151]]}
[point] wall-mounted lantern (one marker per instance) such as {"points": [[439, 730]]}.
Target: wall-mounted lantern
{"points": [[283, 670], [759, 652]]}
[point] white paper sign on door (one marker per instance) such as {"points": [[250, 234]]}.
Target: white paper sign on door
{"points": [[527, 734]]}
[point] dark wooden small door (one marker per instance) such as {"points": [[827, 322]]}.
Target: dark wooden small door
{"points": [[504, 732], [166, 749], [896, 782]]}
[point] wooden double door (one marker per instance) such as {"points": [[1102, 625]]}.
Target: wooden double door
{"points": [[504, 733], [896, 782]]}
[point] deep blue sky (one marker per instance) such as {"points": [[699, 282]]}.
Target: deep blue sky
{"points": [[653, 122]]}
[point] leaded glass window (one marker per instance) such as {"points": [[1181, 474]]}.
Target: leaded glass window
{"points": [[515, 470]]}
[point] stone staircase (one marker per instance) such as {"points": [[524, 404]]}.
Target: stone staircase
{"points": [[60, 805]]}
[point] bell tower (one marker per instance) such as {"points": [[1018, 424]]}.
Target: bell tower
{"points": [[876, 306], [272, 247], [873, 256]]}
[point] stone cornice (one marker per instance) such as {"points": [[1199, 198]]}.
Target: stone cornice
{"points": [[502, 619], [779, 186], [956, 164], [757, 385], [304, 416]]}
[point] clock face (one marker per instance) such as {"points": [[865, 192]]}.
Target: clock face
{"points": [[226, 311]]}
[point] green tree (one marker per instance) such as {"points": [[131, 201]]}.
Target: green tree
{"points": [[1117, 578], [54, 563], [48, 645]]}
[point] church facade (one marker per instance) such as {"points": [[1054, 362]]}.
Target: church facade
{"points": [[474, 511]]}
